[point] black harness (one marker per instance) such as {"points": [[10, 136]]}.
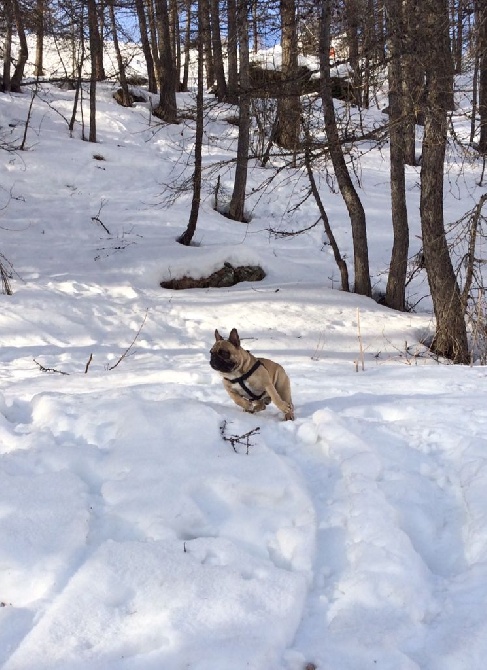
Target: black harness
{"points": [[240, 381]]}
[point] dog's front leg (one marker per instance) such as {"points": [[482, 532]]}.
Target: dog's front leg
{"points": [[239, 400], [285, 407]]}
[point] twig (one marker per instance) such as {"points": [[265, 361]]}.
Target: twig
{"points": [[319, 347], [127, 350], [361, 358], [29, 115], [44, 369], [88, 363], [217, 190], [97, 217], [238, 439]]}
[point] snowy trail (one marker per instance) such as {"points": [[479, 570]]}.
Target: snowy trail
{"points": [[397, 537]]}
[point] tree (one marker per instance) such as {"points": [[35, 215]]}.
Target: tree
{"points": [[126, 98], [413, 77], [451, 337], [188, 234], [146, 48], [237, 203], [167, 108], [207, 45], [94, 45], [39, 17], [289, 103], [352, 21], [187, 47], [232, 55], [396, 282], [221, 84], [347, 190], [7, 50], [23, 55], [482, 51]]}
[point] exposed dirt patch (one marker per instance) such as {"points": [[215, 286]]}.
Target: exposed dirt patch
{"points": [[226, 276]]}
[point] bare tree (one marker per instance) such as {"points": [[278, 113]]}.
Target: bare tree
{"points": [[167, 108], [482, 51], [23, 55], [145, 44], [187, 47], [126, 98], [350, 196], [207, 45], [39, 17], [188, 234], [396, 282], [7, 50], [237, 203], [94, 45], [289, 103], [221, 84], [413, 77], [353, 21], [451, 336], [232, 55]]}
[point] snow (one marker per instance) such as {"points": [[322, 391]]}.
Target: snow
{"points": [[132, 534]]}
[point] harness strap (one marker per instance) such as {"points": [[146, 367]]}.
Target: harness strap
{"points": [[241, 380]]}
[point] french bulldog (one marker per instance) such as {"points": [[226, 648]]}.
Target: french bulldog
{"points": [[252, 383]]}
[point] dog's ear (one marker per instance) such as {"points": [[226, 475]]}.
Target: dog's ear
{"points": [[218, 337], [234, 338]]}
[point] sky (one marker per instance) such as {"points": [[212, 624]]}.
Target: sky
{"points": [[133, 535]]}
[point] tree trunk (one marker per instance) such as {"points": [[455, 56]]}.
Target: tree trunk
{"points": [[482, 41], [175, 41], [146, 48], [451, 337], [187, 236], [413, 69], [289, 103], [396, 282], [7, 50], [353, 19], [154, 41], [221, 84], [18, 74], [457, 21], [99, 39], [349, 194], [78, 69], [167, 109], [39, 60], [232, 58], [94, 37], [237, 203], [126, 99], [339, 260], [187, 46], [210, 70]]}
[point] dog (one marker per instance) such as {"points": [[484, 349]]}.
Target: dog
{"points": [[252, 383]]}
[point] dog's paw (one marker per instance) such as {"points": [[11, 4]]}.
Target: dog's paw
{"points": [[258, 406], [289, 413]]}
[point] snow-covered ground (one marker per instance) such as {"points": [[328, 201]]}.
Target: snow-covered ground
{"points": [[133, 536]]}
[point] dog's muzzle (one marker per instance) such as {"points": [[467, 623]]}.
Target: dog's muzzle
{"points": [[221, 363]]}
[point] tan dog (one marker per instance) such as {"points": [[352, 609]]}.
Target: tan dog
{"points": [[251, 382]]}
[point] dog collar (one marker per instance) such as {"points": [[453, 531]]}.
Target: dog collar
{"points": [[240, 381]]}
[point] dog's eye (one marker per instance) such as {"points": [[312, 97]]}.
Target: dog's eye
{"points": [[224, 354]]}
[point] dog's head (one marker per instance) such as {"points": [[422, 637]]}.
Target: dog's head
{"points": [[226, 355]]}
